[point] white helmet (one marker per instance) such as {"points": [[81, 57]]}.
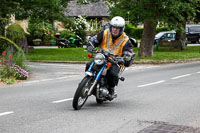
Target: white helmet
{"points": [[118, 22]]}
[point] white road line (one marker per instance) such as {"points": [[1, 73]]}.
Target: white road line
{"points": [[52, 79], [6, 113], [65, 65], [158, 82], [181, 76], [198, 72], [63, 100]]}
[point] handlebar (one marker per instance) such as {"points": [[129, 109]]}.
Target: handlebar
{"points": [[111, 57]]}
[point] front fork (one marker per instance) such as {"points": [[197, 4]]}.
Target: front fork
{"points": [[90, 73]]}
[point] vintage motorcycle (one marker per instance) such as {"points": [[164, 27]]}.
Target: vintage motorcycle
{"points": [[95, 82]]}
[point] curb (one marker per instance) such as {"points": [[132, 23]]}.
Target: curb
{"points": [[66, 62], [135, 62]]}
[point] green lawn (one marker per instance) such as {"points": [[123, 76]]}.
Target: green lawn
{"points": [[79, 54], [58, 54]]}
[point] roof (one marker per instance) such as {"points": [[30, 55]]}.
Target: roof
{"points": [[92, 10]]}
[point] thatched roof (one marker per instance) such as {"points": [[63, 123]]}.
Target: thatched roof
{"points": [[92, 10]]}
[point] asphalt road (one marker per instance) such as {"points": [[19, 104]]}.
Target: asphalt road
{"points": [[149, 95]]}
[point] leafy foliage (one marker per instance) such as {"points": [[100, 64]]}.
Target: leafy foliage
{"points": [[16, 33], [7, 8], [12, 67], [66, 34], [40, 30], [45, 10], [78, 26]]}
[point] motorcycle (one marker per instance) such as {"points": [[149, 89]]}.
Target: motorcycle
{"points": [[95, 82], [71, 42], [63, 43], [76, 42]]}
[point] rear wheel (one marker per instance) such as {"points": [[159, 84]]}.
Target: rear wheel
{"points": [[81, 93]]}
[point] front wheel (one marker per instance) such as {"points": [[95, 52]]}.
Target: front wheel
{"points": [[81, 93]]}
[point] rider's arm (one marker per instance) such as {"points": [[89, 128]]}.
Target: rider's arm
{"points": [[97, 39], [128, 48], [128, 53]]}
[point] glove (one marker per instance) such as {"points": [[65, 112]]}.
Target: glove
{"points": [[121, 61]]}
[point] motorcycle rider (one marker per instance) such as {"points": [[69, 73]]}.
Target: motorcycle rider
{"points": [[117, 42]]}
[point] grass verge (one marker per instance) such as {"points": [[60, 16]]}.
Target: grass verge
{"points": [[164, 54]]}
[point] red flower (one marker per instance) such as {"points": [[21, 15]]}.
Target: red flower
{"points": [[5, 61], [10, 57], [4, 53]]}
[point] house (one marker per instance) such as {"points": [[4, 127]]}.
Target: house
{"points": [[99, 10]]}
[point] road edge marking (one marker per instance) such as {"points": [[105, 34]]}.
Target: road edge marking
{"points": [[6, 113], [181, 76], [158, 82], [63, 100]]}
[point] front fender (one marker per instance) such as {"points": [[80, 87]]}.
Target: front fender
{"points": [[88, 73]]}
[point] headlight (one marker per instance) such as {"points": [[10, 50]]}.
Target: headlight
{"points": [[99, 59]]}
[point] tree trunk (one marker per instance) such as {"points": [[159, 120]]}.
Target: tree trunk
{"points": [[147, 42], [181, 36]]}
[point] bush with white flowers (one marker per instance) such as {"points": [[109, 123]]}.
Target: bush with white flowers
{"points": [[79, 26]]}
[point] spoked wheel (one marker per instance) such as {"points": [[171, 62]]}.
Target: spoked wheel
{"points": [[81, 94]]}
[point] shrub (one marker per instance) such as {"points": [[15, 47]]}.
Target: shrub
{"points": [[160, 29], [16, 33], [136, 33], [78, 26], [66, 34], [3, 45], [40, 30], [10, 70]]}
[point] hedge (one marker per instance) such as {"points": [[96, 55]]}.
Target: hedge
{"points": [[136, 33]]}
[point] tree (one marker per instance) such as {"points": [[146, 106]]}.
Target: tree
{"points": [[7, 8], [175, 13], [43, 9]]}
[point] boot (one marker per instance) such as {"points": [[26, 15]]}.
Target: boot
{"points": [[112, 94]]}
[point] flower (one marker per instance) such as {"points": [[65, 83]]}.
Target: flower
{"points": [[4, 53], [10, 57], [20, 73], [5, 61]]}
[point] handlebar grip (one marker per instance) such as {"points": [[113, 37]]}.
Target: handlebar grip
{"points": [[121, 61]]}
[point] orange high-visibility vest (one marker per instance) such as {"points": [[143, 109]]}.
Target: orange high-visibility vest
{"points": [[117, 47]]}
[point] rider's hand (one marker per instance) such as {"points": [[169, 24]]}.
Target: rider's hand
{"points": [[121, 61]]}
